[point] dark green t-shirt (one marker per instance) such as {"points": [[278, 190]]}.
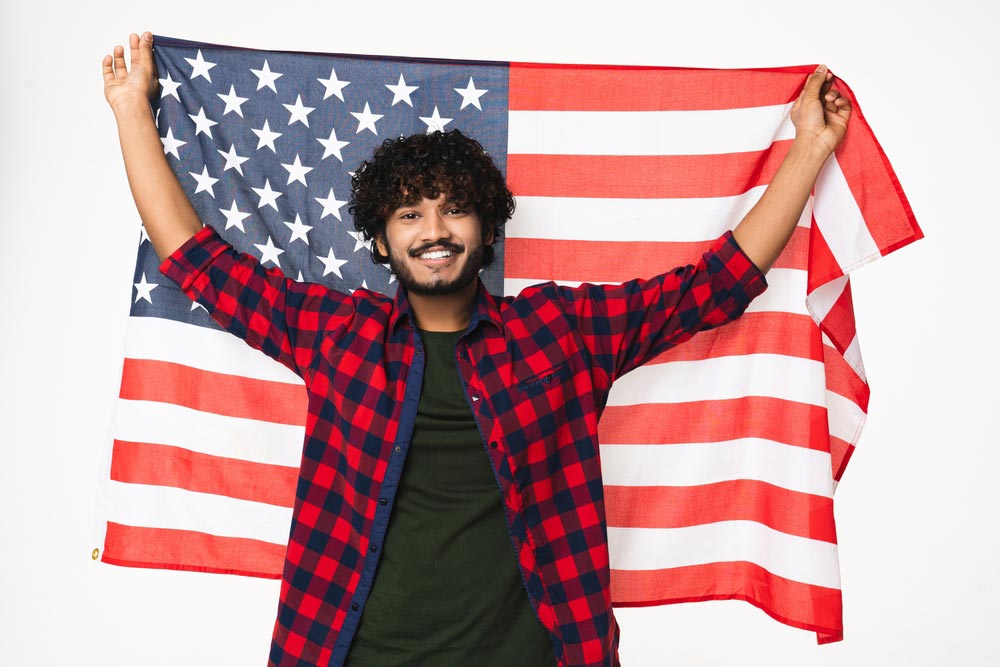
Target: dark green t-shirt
{"points": [[447, 591]]}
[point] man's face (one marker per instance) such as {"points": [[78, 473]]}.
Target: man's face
{"points": [[434, 247]]}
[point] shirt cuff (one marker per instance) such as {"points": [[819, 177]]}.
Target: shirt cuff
{"points": [[742, 269], [192, 258]]}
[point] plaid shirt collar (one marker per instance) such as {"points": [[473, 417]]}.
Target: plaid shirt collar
{"points": [[485, 310]]}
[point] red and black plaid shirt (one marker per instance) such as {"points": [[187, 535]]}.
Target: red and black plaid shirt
{"points": [[536, 369]]}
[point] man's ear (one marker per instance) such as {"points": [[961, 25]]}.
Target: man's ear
{"points": [[380, 244], [488, 236]]}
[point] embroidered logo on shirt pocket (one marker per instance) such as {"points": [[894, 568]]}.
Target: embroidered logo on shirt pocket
{"points": [[536, 384]]}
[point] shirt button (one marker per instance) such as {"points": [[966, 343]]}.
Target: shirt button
{"points": [[475, 399], [354, 606], [493, 444], [383, 501], [397, 448], [373, 548]]}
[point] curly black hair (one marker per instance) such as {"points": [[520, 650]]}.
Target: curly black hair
{"points": [[404, 170]]}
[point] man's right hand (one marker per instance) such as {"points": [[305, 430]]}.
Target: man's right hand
{"points": [[136, 85]]}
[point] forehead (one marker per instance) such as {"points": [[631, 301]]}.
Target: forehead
{"points": [[417, 200]]}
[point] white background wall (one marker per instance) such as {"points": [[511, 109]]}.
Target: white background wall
{"points": [[916, 510]]}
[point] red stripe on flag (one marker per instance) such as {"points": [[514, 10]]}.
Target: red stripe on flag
{"points": [[802, 514], [165, 465], [188, 550], [218, 393], [754, 333], [838, 324], [823, 266], [610, 88], [800, 605], [843, 380], [643, 176], [789, 422], [873, 182], [840, 455], [619, 261]]}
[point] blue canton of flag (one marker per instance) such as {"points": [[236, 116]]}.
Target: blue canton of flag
{"points": [[265, 143]]}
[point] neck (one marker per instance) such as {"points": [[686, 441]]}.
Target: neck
{"points": [[447, 312]]}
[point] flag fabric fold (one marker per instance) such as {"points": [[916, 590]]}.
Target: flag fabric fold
{"points": [[720, 458]]}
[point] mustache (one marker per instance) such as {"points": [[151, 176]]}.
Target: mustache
{"points": [[454, 248]]}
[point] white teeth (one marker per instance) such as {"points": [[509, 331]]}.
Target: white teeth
{"points": [[437, 254]]}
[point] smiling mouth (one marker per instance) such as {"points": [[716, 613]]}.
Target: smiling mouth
{"points": [[436, 254]]}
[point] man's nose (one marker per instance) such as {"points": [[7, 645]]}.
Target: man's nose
{"points": [[435, 227]]}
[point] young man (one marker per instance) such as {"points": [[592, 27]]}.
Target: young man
{"points": [[473, 392]]}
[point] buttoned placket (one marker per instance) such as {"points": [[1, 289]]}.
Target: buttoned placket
{"points": [[387, 494], [510, 498]]}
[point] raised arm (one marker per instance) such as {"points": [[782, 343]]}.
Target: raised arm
{"points": [[820, 116], [166, 213]]}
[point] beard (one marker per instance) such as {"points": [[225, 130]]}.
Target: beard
{"points": [[436, 286]]}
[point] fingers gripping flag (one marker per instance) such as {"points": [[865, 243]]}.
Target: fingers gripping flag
{"points": [[720, 458]]}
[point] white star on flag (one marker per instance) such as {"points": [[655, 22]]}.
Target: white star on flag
{"points": [[359, 240], [170, 145], [205, 182], [233, 161], [298, 111], [435, 121], [331, 264], [366, 119], [269, 252], [201, 123], [265, 77], [331, 205], [233, 101], [268, 197], [470, 95], [265, 137], [332, 145], [234, 217], [169, 87], [299, 229], [195, 306], [143, 289], [200, 67], [401, 92], [333, 85], [297, 171]]}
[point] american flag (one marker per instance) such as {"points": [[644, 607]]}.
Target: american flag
{"points": [[720, 459]]}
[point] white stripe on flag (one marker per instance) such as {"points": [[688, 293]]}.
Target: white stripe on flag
{"points": [[180, 509], [644, 220], [789, 556], [785, 291], [711, 132], [845, 416], [839, 219], [200, 347], [720, 378], [692, 464], [207, 433], [822, 299], [853, 357]]}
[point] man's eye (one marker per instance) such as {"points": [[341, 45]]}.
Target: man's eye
{"points": [[455, 211]]}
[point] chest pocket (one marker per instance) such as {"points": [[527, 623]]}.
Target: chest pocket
{"points": [[542, 382]]}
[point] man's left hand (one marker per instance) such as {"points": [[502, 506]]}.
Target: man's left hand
{"points": [[820, 114]]}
